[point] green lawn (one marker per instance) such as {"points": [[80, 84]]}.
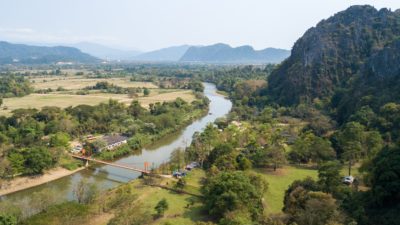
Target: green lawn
{"points": [[178, 213], [279, 181]]}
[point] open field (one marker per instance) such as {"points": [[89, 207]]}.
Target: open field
{"points": [[76, 82], [178, 213], [184, 209], [38, 101], [279, 181]]}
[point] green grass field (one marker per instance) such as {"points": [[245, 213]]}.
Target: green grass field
{"points": [[178, 213], [279, 181]]}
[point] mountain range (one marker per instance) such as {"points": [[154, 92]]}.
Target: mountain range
{"points": [[171, 54], [223, 53], [218, 53], [28, 54], [105, 52], [86, 52]]}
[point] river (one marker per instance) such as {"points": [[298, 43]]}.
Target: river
{"points": [[106, 177]]}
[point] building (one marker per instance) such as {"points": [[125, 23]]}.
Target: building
{"points": [[114, 141]]}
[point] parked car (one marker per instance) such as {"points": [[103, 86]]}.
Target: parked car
{"points": [[192, 165], [348, 180], [77, 149], [179, 174]]}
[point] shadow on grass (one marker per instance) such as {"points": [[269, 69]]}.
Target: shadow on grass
{"points": [[305, 166], [195, 210]]}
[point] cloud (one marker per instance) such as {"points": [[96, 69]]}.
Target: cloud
{"points": [[62, 36]]}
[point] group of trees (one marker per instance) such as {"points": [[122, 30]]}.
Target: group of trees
{"points": [[107, 87], [235, 197], [32, 140], [14, 86]]}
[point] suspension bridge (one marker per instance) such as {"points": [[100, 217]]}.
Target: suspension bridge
{"points": [[119, 165]]}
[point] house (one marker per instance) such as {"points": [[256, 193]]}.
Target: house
{"points": [[113, 141]]}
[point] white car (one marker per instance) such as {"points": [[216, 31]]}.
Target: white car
{"points": [[348, 179]]}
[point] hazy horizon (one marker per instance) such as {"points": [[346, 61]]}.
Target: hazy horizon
{"points": [[155, 24]]}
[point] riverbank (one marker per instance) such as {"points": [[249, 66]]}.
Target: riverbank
{"points": [[134, 202], [21, 183]]}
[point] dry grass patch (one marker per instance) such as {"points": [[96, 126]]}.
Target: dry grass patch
{"points": [[76, 82], [39, 101]]}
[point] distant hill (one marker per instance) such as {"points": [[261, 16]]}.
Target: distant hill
{"points": [[28, 54], [222, 53], [329, 57], [171, 54], [104, 52]]}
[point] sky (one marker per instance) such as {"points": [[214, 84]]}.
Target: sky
{"points": [[152, 24]]}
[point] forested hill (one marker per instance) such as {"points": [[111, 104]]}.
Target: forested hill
{"points": [[222, 53], [27, 54], [329, 55]]}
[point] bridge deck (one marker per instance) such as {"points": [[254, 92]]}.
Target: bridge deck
{"points": [[111, 164]]}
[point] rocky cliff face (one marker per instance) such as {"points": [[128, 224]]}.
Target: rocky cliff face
{"points": [[330, 54], [377, 83]]}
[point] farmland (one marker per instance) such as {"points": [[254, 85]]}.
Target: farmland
{"points": [[77, 82], [70, 85]]}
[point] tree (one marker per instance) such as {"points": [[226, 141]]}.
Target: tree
{"points": [[276, 155], [1, 101], [373, 144], [161, 207], [223, 156], [41, 200], [230, 191], [16, 161], [311, 148], [85, 192], [135, 109], [237, 217], [177, 158], [383, 202], [276, 150], [59, 139], [329, 176], [319, 209], [37, 159], [146, 92], [350, 140], [293, 200], [203, 144], [385, 180]]}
